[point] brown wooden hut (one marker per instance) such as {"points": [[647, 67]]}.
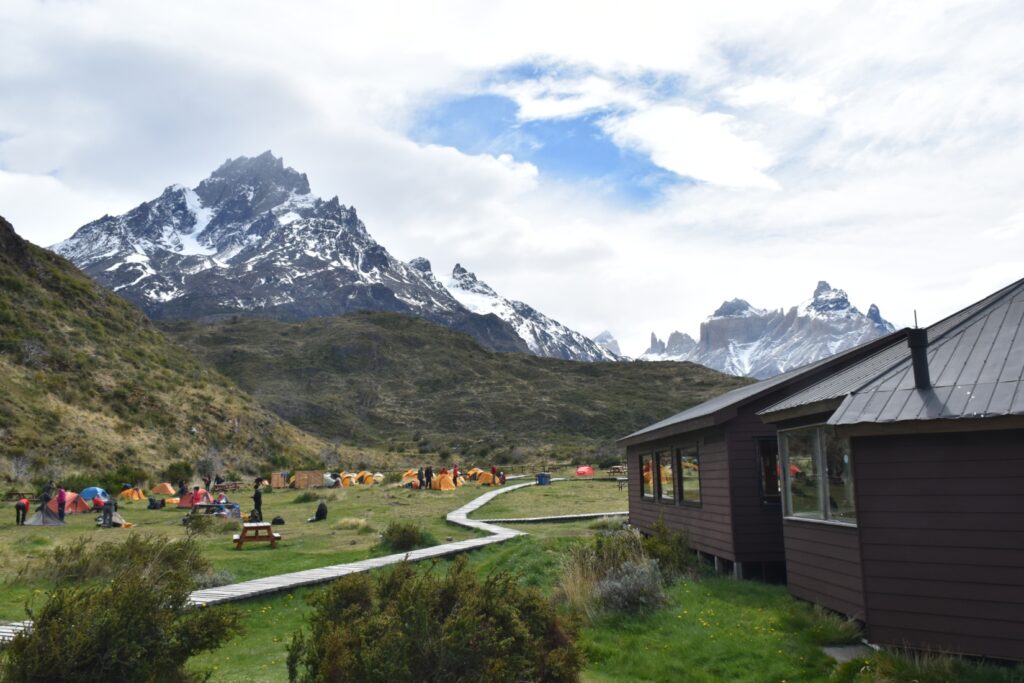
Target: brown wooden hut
{"points": [[904, 485], [713, 470]]}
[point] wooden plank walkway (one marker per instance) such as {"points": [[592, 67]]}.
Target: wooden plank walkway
{"points": [[556, 518], [308, 577]]}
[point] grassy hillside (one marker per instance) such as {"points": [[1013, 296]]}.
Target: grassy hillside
{"points": [[88, 384], [378, 378]]}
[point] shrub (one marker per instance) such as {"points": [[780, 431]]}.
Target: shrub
{"points": [[633, 586], [211, 525], [888, 666], [671, 549], [178, 471], [353, 524], [135, 626], [307, 497], [587, 563], [401, 536], [410, 625]]}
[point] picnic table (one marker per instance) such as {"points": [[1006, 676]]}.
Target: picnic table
{"points": [[617, 469], [623, 482], [226, 486], [256, 532], [232, 509]]}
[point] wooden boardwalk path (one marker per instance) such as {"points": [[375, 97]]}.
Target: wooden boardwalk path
{"points": [[308, 577]]}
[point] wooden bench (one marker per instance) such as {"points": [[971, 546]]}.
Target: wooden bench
{"points": [[256, 532], [226, 486]]}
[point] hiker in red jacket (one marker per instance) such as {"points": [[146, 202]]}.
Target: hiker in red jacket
{"points": [[62, 499], [21, 511]]}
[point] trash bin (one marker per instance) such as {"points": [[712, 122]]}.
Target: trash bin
{"points": [[543, 479]]}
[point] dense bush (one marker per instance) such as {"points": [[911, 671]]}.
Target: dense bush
{"points": [[134, 626], [178, 471], [400, 536], [671, 549], [587, 563], [633, 586], [410, 625]]}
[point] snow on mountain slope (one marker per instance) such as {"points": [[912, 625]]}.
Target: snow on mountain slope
{"points": [[252, 239], [743, 340], [544, 336], [608, 342]]}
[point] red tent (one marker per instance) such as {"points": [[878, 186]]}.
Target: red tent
{"points": [[584, 471], [73, 504], [201, 496]]}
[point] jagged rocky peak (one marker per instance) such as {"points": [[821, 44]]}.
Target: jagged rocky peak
{"points": [[678, 344], [737, 308], [543, 335], [828, 299], [467, 281], [421, 264], [607, 341]]}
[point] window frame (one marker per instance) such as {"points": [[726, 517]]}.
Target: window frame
{"points": [[678, 455], [659, 496], [644, 494], [821, 465]]}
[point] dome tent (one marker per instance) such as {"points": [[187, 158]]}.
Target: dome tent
{"points": [[164, 489], [442, 482], [201, 496], [94, 492], [44, 517], [74, 504], [584, 471]]}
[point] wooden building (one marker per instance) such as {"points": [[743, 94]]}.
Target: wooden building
{"points": [[903, 485], [713, 470]]}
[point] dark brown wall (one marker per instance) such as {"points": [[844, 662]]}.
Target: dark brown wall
{"points": [[709, 526], [823, 565], [757, 528], [941, 520]]}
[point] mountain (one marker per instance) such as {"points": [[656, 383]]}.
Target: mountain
{"points": [[608, 342], [89, 385], [251, 239], [378, 378], [543, 335], [743, 340]]}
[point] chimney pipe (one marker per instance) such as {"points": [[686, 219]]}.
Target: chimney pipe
{"points": [[918, 342]]}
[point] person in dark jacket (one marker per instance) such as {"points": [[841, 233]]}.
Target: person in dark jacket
{"points": [[21, 511], [428, 476], [257, 500], [47, 495], [108, 514], [321, 513], [420, 477]]}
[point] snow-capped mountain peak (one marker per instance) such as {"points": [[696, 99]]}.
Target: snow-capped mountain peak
{"points": [[608, 342], [743, 340], [543, 335], [251, 238]]}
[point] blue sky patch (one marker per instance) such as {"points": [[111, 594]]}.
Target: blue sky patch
{"points": [[573, 150]]}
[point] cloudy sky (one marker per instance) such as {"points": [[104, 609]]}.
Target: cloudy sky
{"points": [[616, 165]]}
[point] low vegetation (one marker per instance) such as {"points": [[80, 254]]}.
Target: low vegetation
{"points": [[118, 612], [408, 624], [896, 667], [415, 388], [400, 536]]}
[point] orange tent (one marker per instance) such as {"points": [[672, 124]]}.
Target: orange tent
{"points": [[347, 479], [201, 496], [442, 482], [131, 494], [365, 478], [73, 505], [585, 471], [409, 477], [486, 479], [164, 489], [474, 473]]}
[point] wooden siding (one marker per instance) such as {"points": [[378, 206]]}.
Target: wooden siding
{"points": [[757, 528], [823, 565], [941, 520], [709, 526]]}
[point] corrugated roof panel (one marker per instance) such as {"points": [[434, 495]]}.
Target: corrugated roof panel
{"points": [[983, 346], [959, 395], [1013, 370], [981, 396], [1017, 408], [1001, 348], [1001, 402], [950, 374], [876, 404], [916, 404], [896, 405]]}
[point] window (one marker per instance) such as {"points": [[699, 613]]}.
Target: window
{"points": [[689, 470], [666, 480], [646, 478], [771, 471], [817, 474]]}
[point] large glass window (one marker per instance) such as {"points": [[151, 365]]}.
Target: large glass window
{"points": [[817, 474], [647, 476], [771, 470], [667, 481], [689, 469]]}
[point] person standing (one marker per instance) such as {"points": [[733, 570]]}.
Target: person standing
{"points": [[62, 499], [429, 476], [47, 495], [206, 482], [108, 513], [494, 475], [257, 501], [420, 477], [455, 475], [21, 511]]}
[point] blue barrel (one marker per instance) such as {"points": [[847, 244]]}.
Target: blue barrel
{"points": [[543, 479]]}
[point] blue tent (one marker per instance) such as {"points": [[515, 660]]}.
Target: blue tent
{"points": [[93, 492]]}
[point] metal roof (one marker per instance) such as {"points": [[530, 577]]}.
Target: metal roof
{"points": [[712, 408], [976, 362]]}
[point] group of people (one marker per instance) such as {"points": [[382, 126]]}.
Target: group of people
{"points": [[425, 476], [52, 491]]}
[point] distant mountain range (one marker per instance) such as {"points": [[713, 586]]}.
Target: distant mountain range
{"points": [[742, 340]]}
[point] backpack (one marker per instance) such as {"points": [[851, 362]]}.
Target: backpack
{"points": [[277, 520]]}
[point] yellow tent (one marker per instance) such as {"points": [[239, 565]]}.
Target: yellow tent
{"points": [[347, 479], [131, 494], [442, 482], [378, 478], [364, 478], [409, 477], [485, 479], [164, 489]]}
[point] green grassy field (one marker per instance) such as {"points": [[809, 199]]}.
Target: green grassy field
{"points": [[575, 496]]}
